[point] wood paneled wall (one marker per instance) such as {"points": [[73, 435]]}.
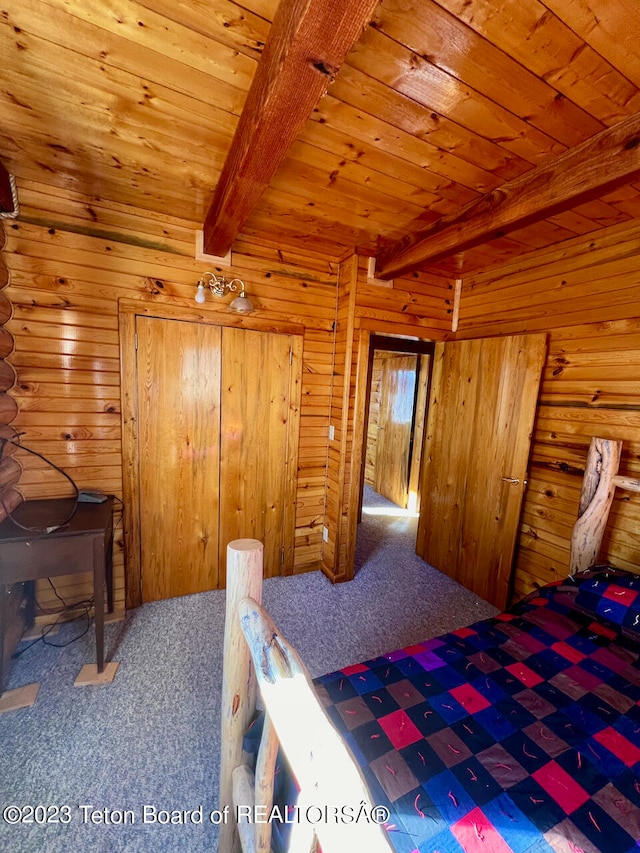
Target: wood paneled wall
{"points": [[341, 416], [419, 306], [586, 294], [71, 259]]}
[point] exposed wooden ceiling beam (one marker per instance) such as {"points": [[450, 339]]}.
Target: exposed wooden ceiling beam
{"points": [[307, 43], [589, 170]]}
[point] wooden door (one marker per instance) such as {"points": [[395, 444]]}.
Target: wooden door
{"points": [[419, 423], [259, 444], [178, 382], [481, 417], [395, 424], [217, 439]]}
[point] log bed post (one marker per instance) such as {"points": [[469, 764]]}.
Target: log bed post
{"points": [[598, 486], [239, 686], [332, 785]]}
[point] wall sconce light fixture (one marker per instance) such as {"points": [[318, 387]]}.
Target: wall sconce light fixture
{"points": [[219, 286]]}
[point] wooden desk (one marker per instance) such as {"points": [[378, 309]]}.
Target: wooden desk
{"points": [[85, 544]]}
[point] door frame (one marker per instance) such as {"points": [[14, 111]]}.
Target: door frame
{"points": [[128, 310], [368, 342]]}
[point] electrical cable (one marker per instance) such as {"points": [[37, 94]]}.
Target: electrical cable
{"points": [[85, 604], [119, 510], [49, 529], [88, 604], [57, 594]]}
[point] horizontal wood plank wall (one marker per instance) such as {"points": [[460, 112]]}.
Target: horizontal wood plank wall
{"points": [[338, 459], [417, 307], [71, 259], [586, 294]]}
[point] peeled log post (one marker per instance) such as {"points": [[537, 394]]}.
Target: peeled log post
{"points": [[596, 497], [326, 772], [264, 781], [243, 787], [239, 690], [631, 484]]}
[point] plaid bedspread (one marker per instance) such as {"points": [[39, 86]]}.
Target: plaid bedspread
{"points": [[518, 733]]}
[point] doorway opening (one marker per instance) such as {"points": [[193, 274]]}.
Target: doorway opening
{"points": [[398, 382]]}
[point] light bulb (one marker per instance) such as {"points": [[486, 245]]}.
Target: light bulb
{"points": [[200, 294]]}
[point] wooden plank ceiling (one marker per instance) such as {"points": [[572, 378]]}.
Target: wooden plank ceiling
{"points": [[439, 103]]}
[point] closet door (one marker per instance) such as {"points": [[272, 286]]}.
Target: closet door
{"points": [[178, 384], [216, 443], [258, 456], [481, 416]]}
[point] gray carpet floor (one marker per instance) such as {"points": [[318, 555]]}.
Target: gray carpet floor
{"points": [[151, 738]]}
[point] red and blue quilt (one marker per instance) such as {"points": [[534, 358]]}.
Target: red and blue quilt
{"points": [[518, 733]]}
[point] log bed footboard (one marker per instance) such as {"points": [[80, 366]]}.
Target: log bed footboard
{"points": [[333, 794]]}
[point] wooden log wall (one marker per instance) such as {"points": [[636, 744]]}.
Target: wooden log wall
{"points": [[10, 465], [586, 294], [71, 258]]}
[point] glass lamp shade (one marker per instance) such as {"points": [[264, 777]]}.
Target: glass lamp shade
{"points": [[241, 304]]}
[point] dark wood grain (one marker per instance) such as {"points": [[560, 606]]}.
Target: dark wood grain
{"points": [[599, 165], [307, 44]]}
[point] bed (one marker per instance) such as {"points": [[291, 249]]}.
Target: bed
{"points": [[517, 733]]}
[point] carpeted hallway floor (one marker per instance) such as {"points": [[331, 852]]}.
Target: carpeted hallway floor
{"points": [[152, 736]]}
